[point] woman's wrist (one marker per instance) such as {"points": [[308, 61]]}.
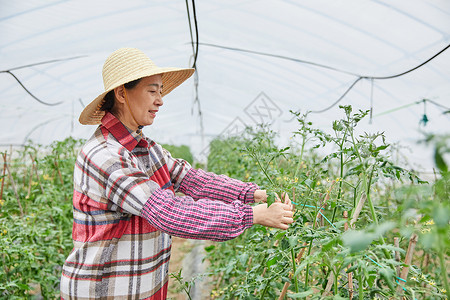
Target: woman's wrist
{"points": [[258, 210]]}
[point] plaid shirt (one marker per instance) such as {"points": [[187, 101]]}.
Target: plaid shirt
{"points": [[125, 211]]}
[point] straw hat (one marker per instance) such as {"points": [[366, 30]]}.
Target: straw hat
{"points": [[125, 65]]}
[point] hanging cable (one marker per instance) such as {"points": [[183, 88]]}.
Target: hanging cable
{"points": [[280, 57], [44, 63], [325, 66], [190, 27], [37, 64], [338, 100], [194, 48], [383, 77], [29, 93], [194, 64], [438, 105], [413, 69], [196, 33], [331, 68]]}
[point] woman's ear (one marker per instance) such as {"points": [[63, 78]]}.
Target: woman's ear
{"points": [[120, 95]]}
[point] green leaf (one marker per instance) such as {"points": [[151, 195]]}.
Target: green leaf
{"points": [[439, 160], [390, 248], [270, 198], [383, 227], [301, 294], [243, 258], [357, 240], [441, 216], [388, 277], [210, 248], [308, 182], [293, 241], [352, 268], [23, 286], [381, 147], [279, 235], [272, 261], [285, 243]]}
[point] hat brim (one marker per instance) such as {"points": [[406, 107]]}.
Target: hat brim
{"points": [[171, 78]]}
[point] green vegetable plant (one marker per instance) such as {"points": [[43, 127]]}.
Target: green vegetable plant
{"points": [[35, 236], [357, 218]]}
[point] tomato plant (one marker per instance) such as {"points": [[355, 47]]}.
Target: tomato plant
{"points": [[35, 218], [358, 217]]}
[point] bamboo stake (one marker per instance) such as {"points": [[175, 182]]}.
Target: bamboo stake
{"points": [[30, 180], [60, 177], [13, 183], [284, 291], [408, 259], [36, 172], [330, 282], [59, 172], [293, 197], [426, 262], [358, 209], [287, 284], [3, 177], [350, 274], [219, 280], [249, 264], [397, 254]]}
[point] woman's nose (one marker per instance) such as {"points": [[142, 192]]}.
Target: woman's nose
{"points": [[159, 101]]}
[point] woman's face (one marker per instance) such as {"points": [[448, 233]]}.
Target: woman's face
{"points": [[144, 99]]}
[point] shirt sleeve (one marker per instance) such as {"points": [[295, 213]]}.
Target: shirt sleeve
{"points": [[202, 219], [200, 184], [131, 191], [178, 168]]}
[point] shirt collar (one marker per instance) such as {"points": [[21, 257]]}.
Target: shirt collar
{"points": [[127, 138]]}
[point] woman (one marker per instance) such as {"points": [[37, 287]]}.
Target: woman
{"points": [[125, 207]]}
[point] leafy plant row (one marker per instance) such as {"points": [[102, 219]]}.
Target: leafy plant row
{"points": [[35, 218], [364, 227]]}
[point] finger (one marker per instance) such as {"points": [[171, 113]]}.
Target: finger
{"points": [[287, 200], [288, 207], [288, 220], [283, 226], [288, 214]]}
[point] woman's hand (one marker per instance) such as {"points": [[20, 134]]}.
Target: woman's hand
{"points": [[260, 196], [278, 215]]}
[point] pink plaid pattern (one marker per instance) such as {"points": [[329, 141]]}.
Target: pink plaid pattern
{"points": [[125, 211]]}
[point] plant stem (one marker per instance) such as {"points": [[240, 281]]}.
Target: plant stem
{"points": [[341, 174], [301, 156], [262, 169], [294, 268], [265, 289], [4, 175], [444, 270], [16, 193], [307, 266], [360, 286], [335, 284]]}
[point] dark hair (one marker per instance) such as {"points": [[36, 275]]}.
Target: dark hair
{"points": [[109, 98]]}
